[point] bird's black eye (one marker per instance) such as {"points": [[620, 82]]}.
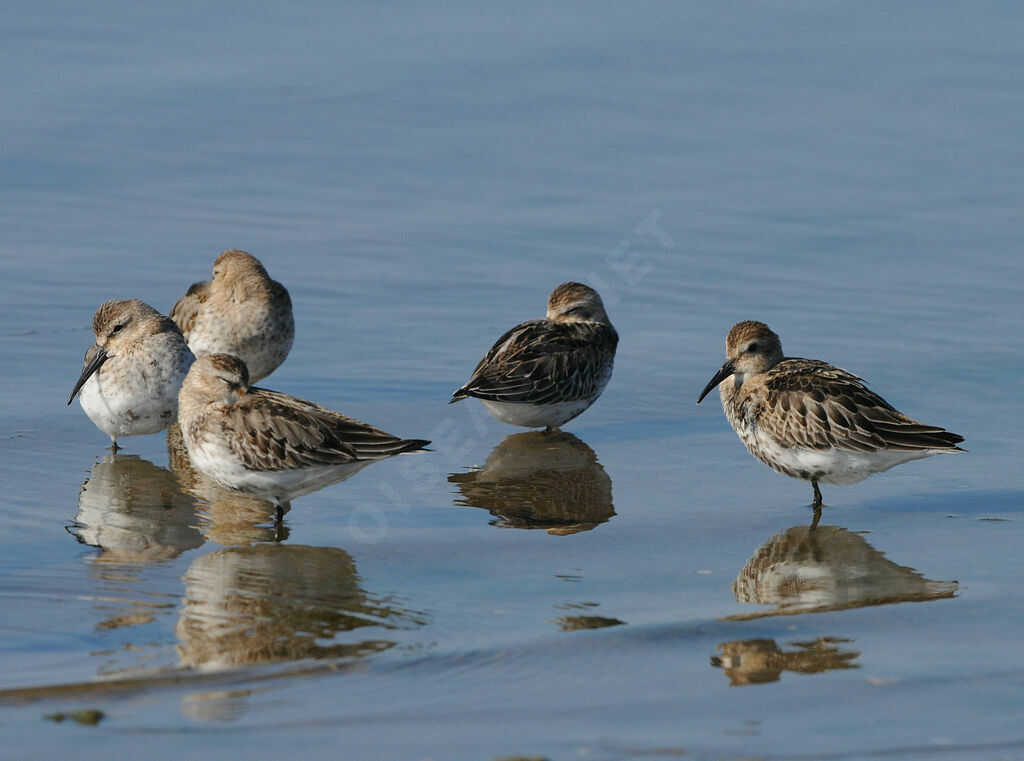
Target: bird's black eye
{"points": [[752, 347], [118, 328]]}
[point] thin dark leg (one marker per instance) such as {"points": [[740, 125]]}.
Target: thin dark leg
{"points": [[113, 446], [278, 512]]}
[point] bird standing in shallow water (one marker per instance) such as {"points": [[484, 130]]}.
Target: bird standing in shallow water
{"points": [[543, 373], [812, 421], [269, 444], [241, 312], [131, 375]]}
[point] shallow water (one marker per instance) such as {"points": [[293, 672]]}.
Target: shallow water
{"points": [[420, 178]]}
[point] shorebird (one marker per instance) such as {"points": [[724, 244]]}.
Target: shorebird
{"points": [[812, 421], [241, 311], [543, 373], [268, 444], [131, 375]]}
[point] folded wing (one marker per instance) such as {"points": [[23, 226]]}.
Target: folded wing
{"points": [[842, 413], [287, 433], [543, 362]]}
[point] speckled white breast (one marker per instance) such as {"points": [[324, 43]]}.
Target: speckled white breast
{"points": [[132, 395]]}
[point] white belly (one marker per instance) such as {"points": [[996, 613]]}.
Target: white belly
{"points": [[536, 415], [830, 466], [278, 486], [133, 410]]}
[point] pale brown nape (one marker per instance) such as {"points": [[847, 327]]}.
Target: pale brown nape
{"points": [[215, 378], [237, 263], [115, 320], [752, 347], [227, 367], [575, 302], [113, 311]]}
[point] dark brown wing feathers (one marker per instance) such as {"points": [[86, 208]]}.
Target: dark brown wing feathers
{"points": [[849, 416], [542, 362], [284, 433]]}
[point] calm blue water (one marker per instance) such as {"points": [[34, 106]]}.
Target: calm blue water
{"points": [[420, 178]]}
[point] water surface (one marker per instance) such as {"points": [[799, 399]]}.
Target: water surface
{"points": [[420, 178]]}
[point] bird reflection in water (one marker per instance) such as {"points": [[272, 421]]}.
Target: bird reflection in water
{"points": [[807, 570], [831, 568], [223, 706], [273, 602], [547, 480], [580, 621], [759, 661], [135, 513], [227, 517]]}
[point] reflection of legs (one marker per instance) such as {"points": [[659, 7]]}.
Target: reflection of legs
{"points": [[281, 506], [280, 532], [816, 505]]}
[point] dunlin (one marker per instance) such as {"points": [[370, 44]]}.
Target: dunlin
{"points": [[269, 444], [812, 421], [129, 384], [241, 311], [546, 372]]}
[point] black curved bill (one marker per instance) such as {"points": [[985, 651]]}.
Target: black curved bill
{"points": [[94, 359], [721, 375]]}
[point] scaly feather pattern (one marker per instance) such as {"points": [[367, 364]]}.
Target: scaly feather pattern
{"points": [[544, 362], [285, 432], [818, 406]]}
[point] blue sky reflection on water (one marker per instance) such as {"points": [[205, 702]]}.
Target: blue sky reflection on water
{"points": [[420, 178]]}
